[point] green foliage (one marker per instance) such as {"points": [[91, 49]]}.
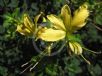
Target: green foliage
{"points": [[98, 19], [3, 71], [16, 49]]}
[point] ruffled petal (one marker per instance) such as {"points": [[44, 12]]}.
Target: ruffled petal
{"points": [[75, 48], [28, 23], [51, 34], [23, 31], [66, 16], [80, 16], [37, 18], [57, 22]]}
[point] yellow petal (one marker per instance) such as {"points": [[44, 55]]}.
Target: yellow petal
{"points": [[75, 48], [74, 28], [18, 28], [23, 31], [66, 16], [37, 18], [80, 16], [51, 34], [79, 48], [57, 22], [28, 22], [71, 47], [44, 19]]}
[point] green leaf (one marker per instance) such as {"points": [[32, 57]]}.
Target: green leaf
{"points": [[98, 19], [74, 38], [97, 70], [13, 3], [51, 70], [1, 3], [3, 71], [2, 29]]}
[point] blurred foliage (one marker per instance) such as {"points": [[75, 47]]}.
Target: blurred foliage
{"points": [[16, 49]]}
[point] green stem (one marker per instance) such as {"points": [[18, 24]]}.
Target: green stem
{"points": [[92, 51], [64, 43]]}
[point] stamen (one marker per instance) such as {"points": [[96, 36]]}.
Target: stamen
{"points": [[85, 59], [25, 64], [26, 68], [92, 51], [34, 66]]}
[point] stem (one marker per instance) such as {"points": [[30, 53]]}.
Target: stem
{"points": [[92, 51], [62, 46]]}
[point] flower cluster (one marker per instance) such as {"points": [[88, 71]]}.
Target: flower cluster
{"points": [[61, 27], [57, 28], [64, 26]]}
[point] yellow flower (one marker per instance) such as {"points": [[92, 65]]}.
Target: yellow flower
{"points": [[54, 34], [75, 47], [66, 25], [28, 28]]}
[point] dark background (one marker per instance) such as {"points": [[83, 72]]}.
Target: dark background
{"points": [[16, 49]]}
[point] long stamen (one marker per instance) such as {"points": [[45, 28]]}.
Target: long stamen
{"points": [[85, 59], [26, 68], [34, 66], [92, 51], [25, 64]]}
